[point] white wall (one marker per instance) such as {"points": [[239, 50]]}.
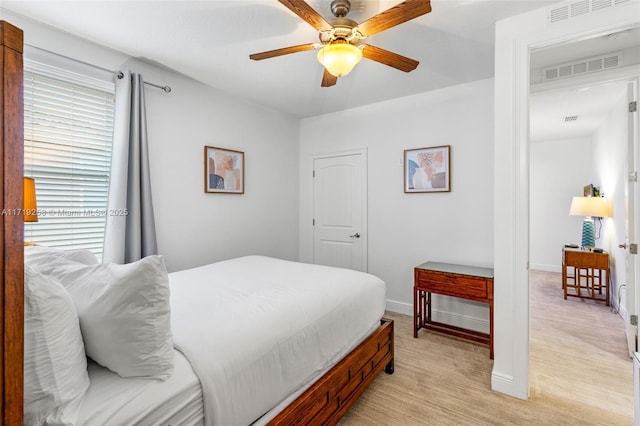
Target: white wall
{"points": [[610, 159], [406, 230], [559, 171], [193, 227]]}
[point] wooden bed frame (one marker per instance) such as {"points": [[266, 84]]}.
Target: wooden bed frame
{"points": [[11, 228], [333, 394], [324, 403]]}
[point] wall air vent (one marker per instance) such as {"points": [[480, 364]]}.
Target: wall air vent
{"points": [[570, 118], [583, 66], [572, 9]]}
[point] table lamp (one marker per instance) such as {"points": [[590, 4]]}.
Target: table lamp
{"points": [[590, 207], [30, 208]]}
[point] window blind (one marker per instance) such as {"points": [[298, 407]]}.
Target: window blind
{"points": [[68, 133]]}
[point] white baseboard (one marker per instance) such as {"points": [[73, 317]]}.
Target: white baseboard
{"points": [[545, 268], [400, 307], [622, 310], [630, 330], [464, 321], [504, 383]]}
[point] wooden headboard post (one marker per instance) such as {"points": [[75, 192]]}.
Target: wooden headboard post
{"points": [[11, 223]]}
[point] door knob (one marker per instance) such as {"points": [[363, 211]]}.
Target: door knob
{"points": [[356, 235], [623, 246]]}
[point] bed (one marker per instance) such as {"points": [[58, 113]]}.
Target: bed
{"points": [[93, 390], [253, 340]]}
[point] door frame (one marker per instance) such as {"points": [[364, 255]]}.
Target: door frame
{"points": [[515, 38], [633, 261], [365, 200]]}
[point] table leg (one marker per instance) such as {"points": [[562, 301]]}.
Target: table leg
{"points": [[416, 312], [608, 285], [599, 281], [564, 280]]}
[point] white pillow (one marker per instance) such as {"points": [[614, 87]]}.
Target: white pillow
{"points": [[124, 313], [42, 259], [55, 366]]}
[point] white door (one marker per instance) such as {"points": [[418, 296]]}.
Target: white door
{"points": [[632, 231], [339, 211]]}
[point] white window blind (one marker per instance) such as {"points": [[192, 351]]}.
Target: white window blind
{"points": [[68, 136]]}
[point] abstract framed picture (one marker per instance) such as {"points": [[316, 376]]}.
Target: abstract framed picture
{"points": [[427, 169], [223, 170]]}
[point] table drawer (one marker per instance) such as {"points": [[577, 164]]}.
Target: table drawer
{"points": [[586, 259], [453, 284]]}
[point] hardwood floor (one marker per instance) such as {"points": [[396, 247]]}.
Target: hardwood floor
{"points": [[580, 372]]}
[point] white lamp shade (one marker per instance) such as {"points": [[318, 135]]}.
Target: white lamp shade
{"points": [[339, 58], [590, 206]]}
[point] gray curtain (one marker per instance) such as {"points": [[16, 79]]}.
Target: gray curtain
{"points": [[130, 232]]}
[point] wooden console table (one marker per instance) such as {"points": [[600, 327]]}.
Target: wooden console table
{"points": [[466, 282], [587, 280]]}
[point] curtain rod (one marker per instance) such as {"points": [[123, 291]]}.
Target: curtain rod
{"points": [[167, 89], [119, 74]]}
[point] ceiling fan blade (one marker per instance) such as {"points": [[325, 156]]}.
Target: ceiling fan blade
{"points": [[328, 79], [389, 58], [398, 14], [284, 51], [307, 13]]}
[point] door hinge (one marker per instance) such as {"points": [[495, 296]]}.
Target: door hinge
{"points": [[633, 319], [633, 248], [633, 177], [314, 173], [633, 106], [314, 222]]}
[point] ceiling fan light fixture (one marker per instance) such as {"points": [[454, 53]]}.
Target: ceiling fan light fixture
{"points": [[339, 58]]}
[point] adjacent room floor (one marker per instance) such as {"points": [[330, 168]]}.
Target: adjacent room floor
{"points": [[580, 372]]}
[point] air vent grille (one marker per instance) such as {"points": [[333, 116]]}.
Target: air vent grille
{"points": [[570, 118], [580, 8], [572, 9], [583, 66]]}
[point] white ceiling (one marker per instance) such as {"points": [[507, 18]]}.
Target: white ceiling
{"points": [[591, 104], [211, 40]]}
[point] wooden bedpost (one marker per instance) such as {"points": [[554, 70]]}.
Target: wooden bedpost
{"points": [[12, 226]]}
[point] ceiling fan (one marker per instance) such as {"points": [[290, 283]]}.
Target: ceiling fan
{"points": [[340, 38]]}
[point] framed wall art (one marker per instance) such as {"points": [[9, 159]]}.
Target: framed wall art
{"points": [[223, 170], [427, 169]]}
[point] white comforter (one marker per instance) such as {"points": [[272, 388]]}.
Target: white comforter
{"points": [[255, 329]]}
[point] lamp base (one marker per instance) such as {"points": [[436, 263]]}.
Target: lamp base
{"points": [[588, 233]]}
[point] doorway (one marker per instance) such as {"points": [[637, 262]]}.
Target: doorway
{"points": [[578, 136], [515, 38]]}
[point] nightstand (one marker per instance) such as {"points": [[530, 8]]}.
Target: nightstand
{"points": [[585, 273]]}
